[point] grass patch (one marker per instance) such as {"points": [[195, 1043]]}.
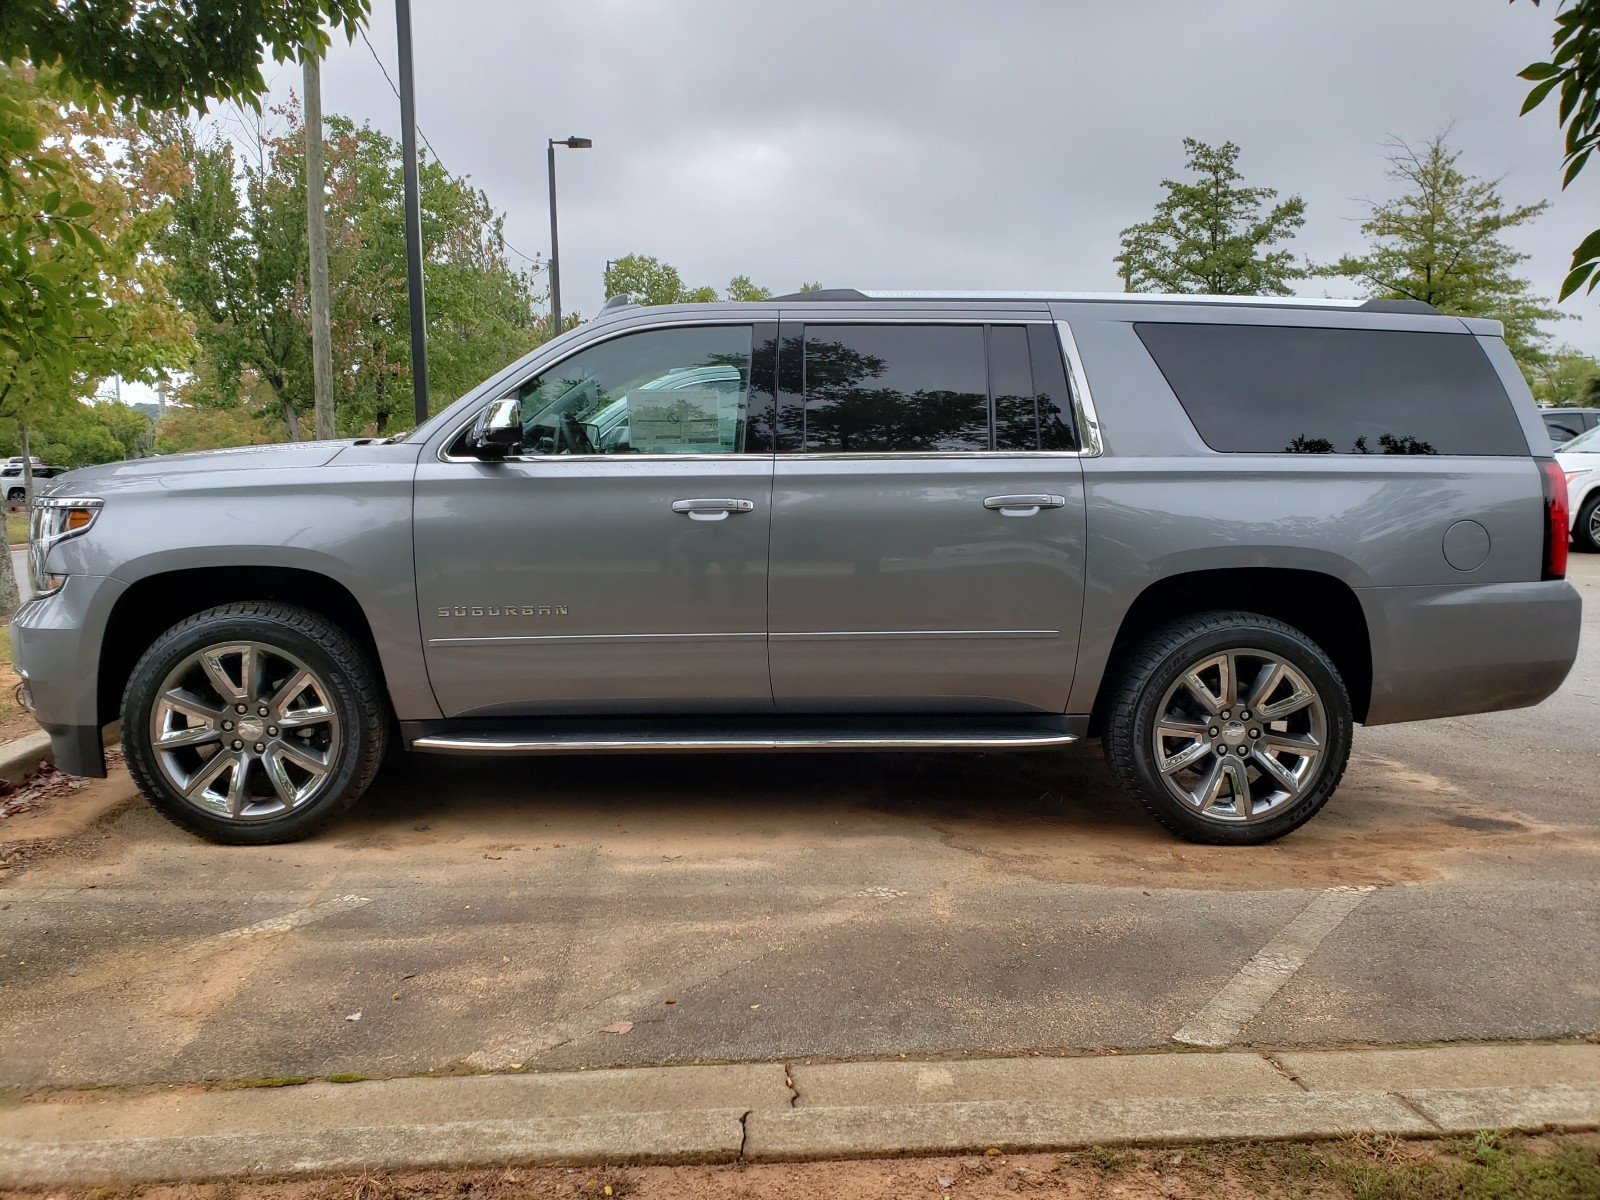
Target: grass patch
{"points": [[345, 1077], [270, 1081], [1484, 1167], [5, 644], [16, 528]]}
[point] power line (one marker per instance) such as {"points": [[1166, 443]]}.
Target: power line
{"points": [[454, 179]]}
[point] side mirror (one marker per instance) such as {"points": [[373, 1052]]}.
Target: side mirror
{"points": [[497, 433]]}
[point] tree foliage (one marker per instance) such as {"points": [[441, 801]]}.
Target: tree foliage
{"points": [[237, 242], [1566, 378], [166, 54], [1212, 234], [1573, 73], [1442, 241], [81, 297]]}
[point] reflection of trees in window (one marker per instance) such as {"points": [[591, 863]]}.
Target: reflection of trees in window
{"points": [[1388, 444], [844, 414], [1016, 423]]}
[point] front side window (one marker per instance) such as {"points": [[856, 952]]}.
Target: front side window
{"points": [[663, 391], [895, 389]]}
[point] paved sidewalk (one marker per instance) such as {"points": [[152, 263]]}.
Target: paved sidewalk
{"points": [[775, 1112]]}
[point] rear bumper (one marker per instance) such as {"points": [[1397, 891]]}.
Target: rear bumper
{"points": [[55, 641], [1445, 651]]}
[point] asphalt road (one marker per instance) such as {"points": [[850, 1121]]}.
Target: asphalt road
{"points": [[543, 913]]}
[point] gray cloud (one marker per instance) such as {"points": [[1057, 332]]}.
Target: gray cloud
{"points": [[928, 143]]}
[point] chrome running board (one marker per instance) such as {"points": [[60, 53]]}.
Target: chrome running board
{"points": [[753, 741]]}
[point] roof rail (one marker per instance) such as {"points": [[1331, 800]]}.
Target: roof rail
{"points": [[825, 294], [1374, 306], [1399, 306]]}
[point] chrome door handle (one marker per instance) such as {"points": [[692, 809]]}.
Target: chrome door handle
{"points": [[1023, 506], [711, 509]]}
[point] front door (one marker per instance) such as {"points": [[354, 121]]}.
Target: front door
{"points": [[928, 520], [618, 563]]}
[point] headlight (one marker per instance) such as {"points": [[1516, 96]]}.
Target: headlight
{"points": [[56, 518]]}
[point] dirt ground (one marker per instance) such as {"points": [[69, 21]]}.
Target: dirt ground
{"points": [[1487, 1168]]}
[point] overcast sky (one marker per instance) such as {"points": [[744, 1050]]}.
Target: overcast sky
{"points": [[939, 143]]}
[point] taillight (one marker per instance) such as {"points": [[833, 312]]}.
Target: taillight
{"points": [[1556, 519]]}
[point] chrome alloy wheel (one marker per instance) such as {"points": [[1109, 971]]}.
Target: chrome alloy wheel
{"points": [[244, 731], [1594, 525], [1239, 737]]}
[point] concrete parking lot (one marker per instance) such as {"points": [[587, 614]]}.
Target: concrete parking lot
{"points": [[563, 913]]}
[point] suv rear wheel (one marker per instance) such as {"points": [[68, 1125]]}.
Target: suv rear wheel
{"points": [[253, 723], [1229, 727]]}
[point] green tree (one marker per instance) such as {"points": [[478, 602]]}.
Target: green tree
{"points": [[1212, 234], [650, 281], [237, 243], [185, 427], [1567, 377], [1574, 71], [1442, 241], [740, 289], [81, 297], [165, 54]]}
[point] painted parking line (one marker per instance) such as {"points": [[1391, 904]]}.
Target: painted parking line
{"points": [[1224, 1018], [301, 916]]}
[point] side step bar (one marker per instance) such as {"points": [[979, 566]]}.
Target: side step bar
{"points": [[765, 740]]}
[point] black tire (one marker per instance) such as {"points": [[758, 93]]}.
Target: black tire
{"points": [[354, 695], [1586, 527], [1155, 665], [17, 495]]}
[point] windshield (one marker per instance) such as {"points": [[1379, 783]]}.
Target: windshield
{"points": [[1584, 443]]}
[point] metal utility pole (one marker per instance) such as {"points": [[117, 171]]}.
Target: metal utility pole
{"points": [[408, 147], [317, 238], [572, 143]]}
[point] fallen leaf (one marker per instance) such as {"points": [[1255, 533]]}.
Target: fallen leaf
{"points": [[353, 1017], [753, 1007], [493, 857], [618, 1027], [671, 1001]]}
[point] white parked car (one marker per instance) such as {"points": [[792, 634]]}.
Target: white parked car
{"points": [[1580, 459]]}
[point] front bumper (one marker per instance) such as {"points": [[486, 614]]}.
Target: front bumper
{"points": [[1447, 651], [55, 641]]}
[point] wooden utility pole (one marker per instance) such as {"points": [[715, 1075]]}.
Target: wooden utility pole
{"points": [[317, 238]]}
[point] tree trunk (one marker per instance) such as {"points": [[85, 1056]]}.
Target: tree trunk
{"points": [[291, 419], [27, 469], [10, 597]]}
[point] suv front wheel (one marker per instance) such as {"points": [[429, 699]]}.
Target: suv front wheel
{"points": [[1229, 727], [253, 723]]}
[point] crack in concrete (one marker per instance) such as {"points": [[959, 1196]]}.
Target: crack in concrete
{"points": [[1272, 1061], [1405, 1102], [788, 1082], [744, 1134]]}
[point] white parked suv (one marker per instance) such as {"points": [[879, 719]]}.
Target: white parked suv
{"points": [[1580, 459]]}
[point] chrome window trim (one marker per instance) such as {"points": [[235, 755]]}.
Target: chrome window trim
{"points": [[1091, 444], [1083, 409], [898, 455], [749, 323]]}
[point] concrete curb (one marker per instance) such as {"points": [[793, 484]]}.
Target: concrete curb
{"points": [[770, 1112], [22, 758]]}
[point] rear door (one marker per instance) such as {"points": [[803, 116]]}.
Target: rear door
{"points": [[928, 519]]}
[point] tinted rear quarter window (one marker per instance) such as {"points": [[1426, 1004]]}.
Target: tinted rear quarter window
{"points": [[1272, 389]]}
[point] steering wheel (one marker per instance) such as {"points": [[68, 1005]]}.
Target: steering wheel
{"points": [[570, 437]]}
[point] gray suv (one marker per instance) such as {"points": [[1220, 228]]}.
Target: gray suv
{"points": [[1213, 532]]}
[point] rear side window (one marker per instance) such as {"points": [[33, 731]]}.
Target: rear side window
{"points": [[895, 389], [1267, 389]]}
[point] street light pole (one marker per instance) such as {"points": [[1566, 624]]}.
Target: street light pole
{"points": [[413, 215], [571, 143]]}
